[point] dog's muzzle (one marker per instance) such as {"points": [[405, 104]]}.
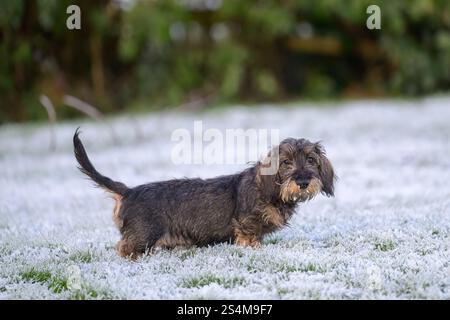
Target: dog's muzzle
{"points": [[302, 182]]}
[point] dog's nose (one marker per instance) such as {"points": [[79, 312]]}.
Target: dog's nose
{"points": [[302, 183]]}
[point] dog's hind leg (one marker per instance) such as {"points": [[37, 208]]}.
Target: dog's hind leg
{"points": [[131, 248], [138, 238], [127, 249]]}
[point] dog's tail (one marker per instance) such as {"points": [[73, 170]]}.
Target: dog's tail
{"points": [[88, 169]]}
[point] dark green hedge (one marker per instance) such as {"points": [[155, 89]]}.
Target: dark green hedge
{"points": [[201, 52]]}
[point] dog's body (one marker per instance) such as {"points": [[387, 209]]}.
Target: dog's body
{"points": [[239, 208]]}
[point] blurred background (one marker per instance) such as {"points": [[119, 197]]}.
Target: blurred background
{"points": [[135, 55]]}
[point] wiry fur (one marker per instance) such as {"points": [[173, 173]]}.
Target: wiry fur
{"points": [[239, 208]]}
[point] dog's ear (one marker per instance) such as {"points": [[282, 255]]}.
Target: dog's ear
{"points": [[326, 171], [268, 173]]}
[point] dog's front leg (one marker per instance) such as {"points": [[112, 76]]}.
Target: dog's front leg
{"points": [[247, 241], [272, 216], [245, 234]]}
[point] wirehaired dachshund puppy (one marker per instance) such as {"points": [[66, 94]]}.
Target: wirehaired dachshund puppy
{"points": [[239, 208]]}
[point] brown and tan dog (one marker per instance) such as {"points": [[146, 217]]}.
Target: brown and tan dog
{"points": [[239, 208]]}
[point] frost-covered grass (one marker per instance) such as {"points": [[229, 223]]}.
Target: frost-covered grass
{"points": [[386, 234]]}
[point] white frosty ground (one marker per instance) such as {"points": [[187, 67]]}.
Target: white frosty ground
{"points": [[386, 234]]}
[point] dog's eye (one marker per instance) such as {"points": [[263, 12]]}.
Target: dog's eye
{"points": [[287, 162], [311, 160]]}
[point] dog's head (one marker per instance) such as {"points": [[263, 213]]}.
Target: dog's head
{"points": [[303, 171]]}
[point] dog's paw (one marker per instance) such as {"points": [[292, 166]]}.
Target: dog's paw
{"points": [[248, 241]]}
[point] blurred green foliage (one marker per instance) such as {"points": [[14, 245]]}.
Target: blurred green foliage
{"points": [[154, 54]]}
